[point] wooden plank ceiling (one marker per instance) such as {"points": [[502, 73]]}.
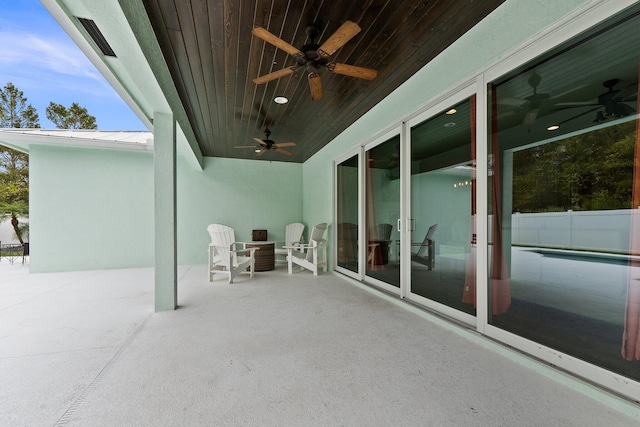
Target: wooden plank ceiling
{"points": [[213, 58]]}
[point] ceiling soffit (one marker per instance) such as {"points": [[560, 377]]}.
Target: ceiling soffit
{"points": [[213, 58]]}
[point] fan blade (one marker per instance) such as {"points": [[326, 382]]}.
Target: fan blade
{"points": [[284, 144], [315, 84], [352, 70], [511, 101], [259, 141], [261, 152], [577, 104], [339, 38], [244, 146], [276, 41], [579, 115], [274, 75], [280, 150]]}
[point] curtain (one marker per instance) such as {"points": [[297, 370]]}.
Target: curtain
{"points": [[500, 286], [631, 334], [469, 292], [347, 231], [374, 257]]}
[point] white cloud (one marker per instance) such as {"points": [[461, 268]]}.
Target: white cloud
{"points": [[28, 51], [40, 59]]}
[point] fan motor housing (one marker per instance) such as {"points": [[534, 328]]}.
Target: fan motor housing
{"points": [[311, 58], [310, 50]]}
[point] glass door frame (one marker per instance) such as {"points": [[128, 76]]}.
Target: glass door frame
{"points": [[356, 151], [445, 102], [560, 35], [381, 138], [476, 87]]}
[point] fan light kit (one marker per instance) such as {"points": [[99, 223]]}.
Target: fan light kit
{"points": [[313, 57]]}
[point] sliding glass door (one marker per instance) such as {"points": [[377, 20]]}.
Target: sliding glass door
{"points": [[382, 211], [421, 245], [442, 257], [347, 215], [564, 183]]}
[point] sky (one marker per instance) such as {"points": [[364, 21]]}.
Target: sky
{"points": [[42, 61]]}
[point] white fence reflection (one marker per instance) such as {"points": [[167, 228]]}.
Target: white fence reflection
{"points": [[602, 231]]}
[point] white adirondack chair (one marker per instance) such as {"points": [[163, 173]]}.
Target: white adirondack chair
{"points": [[311, 256], [293, 235], [224, 256]]}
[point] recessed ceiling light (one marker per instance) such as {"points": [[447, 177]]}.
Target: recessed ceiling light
{"points": [[280, 100], [452, 111], [553, 127], [449, 125]]}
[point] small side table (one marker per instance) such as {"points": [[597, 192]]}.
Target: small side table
{"points": [[264, 257]]}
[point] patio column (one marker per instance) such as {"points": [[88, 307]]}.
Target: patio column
{"points": [[164, 166]]}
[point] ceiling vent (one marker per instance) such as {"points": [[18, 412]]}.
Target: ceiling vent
{"points": [[92, 29]]}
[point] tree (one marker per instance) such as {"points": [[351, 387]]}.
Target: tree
{"points": [[14, 111], [590, 171], [14, 165], [14, 203], [74, 117]]}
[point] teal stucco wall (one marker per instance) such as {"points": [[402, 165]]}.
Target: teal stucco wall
{"points": [[89, 209], [243, 194], [93, 209]]}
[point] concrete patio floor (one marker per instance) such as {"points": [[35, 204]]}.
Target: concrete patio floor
{"points": [[86, 349]]}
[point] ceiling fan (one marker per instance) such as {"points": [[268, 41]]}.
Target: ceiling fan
{"points": [[532, 103], [313, 57], [610, 104], [268, 144]]}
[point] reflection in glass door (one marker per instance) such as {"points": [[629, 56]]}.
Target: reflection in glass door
{"points": [[347, 214], [443, 267], [564, 184], [382, 211]]}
